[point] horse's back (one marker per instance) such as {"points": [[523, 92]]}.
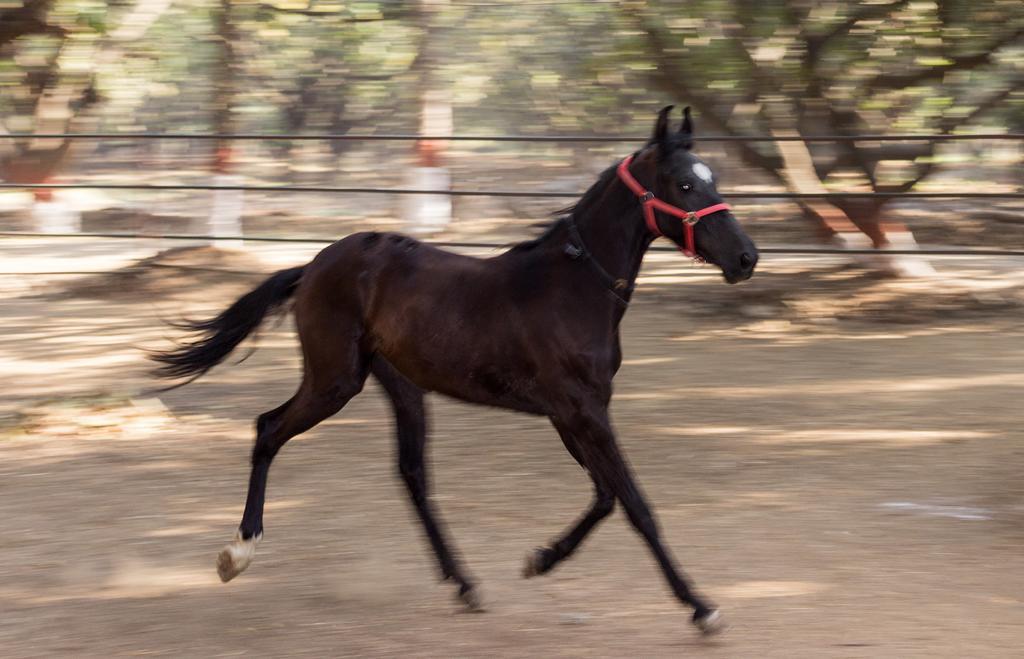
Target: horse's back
{"points": [[385, 268], [449, 322]]}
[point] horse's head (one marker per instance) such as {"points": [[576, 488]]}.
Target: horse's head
{"points": [[686, 182]]}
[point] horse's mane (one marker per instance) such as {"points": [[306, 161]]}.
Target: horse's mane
{"points": [[582, 205], [547, 229]]}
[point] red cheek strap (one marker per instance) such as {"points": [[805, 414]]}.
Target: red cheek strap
{"points": [[652, 203]]}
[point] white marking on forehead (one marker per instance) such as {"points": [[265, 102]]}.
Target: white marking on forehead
{"points": [[703, 171]]}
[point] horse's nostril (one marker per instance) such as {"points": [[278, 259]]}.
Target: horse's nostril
{"points": [[747, 261]]}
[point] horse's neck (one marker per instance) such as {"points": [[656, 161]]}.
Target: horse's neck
{"points": [[616, 237]]}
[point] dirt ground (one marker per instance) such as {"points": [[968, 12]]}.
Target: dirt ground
{"points": [[836, 459]]}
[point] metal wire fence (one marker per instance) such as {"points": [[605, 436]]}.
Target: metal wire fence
{"points": [[615, 139], [107, 136], [495, 193], [834, 251]]}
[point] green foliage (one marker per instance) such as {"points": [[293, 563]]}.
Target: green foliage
{"points": [[747, 67]]}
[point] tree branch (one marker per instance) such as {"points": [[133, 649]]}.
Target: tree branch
{"points": [[902, 80], [765, 82], [948, 125], [669, 78], [989, 103], [416, 62], [815, 42], [337, 15], [30, 18]]}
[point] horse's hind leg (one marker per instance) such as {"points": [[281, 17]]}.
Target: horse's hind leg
{"points": [[542, 559], [608, 466], [411, 425], [330, 381]]}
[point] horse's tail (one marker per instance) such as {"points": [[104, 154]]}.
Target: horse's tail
{"points": [[218, 336]]}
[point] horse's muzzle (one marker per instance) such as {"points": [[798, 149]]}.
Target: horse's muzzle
{"points": [[743, 270]]}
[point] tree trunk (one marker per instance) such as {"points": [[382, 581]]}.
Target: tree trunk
{"points": [[226, 206], [431, 213]]}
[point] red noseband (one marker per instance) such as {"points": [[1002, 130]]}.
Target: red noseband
{"points": [[650, 203]]}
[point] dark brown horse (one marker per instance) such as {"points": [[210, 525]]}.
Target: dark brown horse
{"points": [[535, 330]]}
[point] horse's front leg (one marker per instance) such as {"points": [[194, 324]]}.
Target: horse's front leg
{"points": [[609, 468], [411, 427], [543, 559]]}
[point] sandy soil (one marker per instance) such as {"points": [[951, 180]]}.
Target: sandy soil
{"points": [[835, 459]]}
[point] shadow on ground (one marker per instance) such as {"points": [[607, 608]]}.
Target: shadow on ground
{"points": [[835, 459]]}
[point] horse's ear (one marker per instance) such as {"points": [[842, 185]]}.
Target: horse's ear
{"points": [[687, 126], [660, 135]]}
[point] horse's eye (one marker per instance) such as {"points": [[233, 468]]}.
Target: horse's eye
{"points": [[685, 187]]}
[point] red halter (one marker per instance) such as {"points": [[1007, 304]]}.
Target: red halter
{"points": [[650, 202]]}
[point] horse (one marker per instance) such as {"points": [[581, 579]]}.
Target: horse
{"points": [[534, 329]]}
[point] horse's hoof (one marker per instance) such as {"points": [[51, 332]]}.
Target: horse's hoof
{"points": [[537, 562], [236, 556], [712, 623], [471, 599]]}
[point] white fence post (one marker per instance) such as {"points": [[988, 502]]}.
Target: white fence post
{"points": [[225, 217]]}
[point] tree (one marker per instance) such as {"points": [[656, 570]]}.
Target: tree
{"points": [[29, 18], [43, 95], [797, 68], [63, 47]]}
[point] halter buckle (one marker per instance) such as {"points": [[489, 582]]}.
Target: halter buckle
{"points": [[646, 196], [691, 218]]}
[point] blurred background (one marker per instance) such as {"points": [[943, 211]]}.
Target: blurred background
{"points": [[834, 447], [537, 69]]}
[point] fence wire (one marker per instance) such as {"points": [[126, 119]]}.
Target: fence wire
{"points": [[406, 137], [959, 194], [836, 251], [505, 193]]}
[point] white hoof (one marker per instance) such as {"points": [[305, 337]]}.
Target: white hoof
{"points": [[534, 563], [236, 556], [472, 600], [711, 624]]}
